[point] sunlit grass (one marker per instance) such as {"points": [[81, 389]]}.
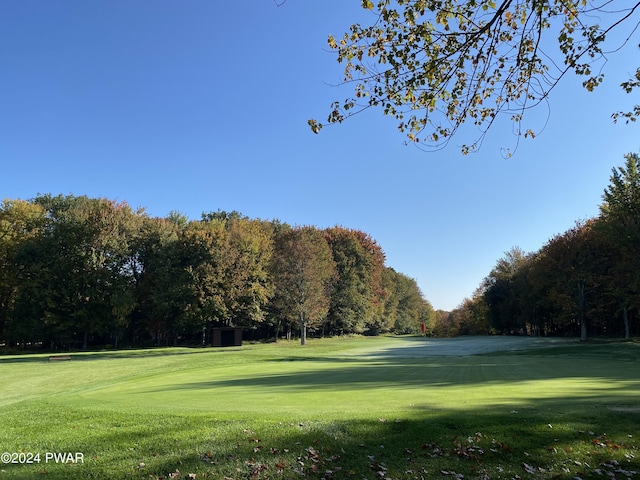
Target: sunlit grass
{"points": [[329, 410]]}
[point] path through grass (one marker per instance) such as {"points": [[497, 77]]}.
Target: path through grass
{"points": [[339, 408]]}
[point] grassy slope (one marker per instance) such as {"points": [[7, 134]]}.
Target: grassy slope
{"points": [[278, 411]]}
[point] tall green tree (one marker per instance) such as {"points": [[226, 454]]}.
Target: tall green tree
{"points": [[164, 285], [357, 297], [448, 324], [471, 316], [304, 274], [77, 269], [620, 221], [575, 262], [20, 222], [435, 64], [412, 309], [503, 291], [233, 283], [388, 312], [250, 287]]}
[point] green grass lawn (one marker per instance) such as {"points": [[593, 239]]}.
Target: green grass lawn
{"points": [[335, 409]]}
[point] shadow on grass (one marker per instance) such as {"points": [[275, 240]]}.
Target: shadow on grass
{"points": [[116, 354], [560, 439], [339, 373]]}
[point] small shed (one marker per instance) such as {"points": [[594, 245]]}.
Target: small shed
{"points": [[227, 337]]}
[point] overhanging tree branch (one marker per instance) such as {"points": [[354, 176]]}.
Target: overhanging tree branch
{"points": [[447, 62]]}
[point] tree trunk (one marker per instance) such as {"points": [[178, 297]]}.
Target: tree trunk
{"points": [[583, 331], [581, 308], [303, 330], [627, 332], [278, 326]]}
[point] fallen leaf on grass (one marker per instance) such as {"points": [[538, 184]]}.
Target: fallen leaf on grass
{"points": [[497, 446], [313, 454], [255, 469], [436, 451], [207, 457], [452, 473]]}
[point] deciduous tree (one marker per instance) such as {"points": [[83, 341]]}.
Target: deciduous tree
{"points": [[233, 277], [503, 292], [75, 272], [412, 310], [357, 296], [620, 221], [304, 273], [20, 222], [575, 261]]}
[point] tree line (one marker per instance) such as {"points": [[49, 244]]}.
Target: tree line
{"points": [[583, 282], [80, 272]]}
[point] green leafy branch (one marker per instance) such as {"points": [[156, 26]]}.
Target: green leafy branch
{"points": [[435, 65]]}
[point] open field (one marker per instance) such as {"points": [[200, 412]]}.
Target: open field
{"points": [[387, 407]]}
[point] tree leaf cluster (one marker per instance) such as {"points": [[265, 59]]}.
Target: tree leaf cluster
{"points": [[77, 272]]}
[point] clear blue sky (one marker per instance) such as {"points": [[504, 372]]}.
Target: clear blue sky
{"points": [[203, 105]]}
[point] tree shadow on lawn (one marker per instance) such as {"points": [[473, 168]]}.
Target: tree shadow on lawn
{"points": [[85, 356], [440, 445], [560, 438], [321, 374]]}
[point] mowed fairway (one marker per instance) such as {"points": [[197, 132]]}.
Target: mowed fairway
{"points": [[387, 407]]}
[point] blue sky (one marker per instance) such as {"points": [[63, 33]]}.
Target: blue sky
{"points": [[198, 106]]}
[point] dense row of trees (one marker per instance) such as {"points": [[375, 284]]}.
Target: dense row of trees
{"points": [[585, 281], [79, 272]]}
